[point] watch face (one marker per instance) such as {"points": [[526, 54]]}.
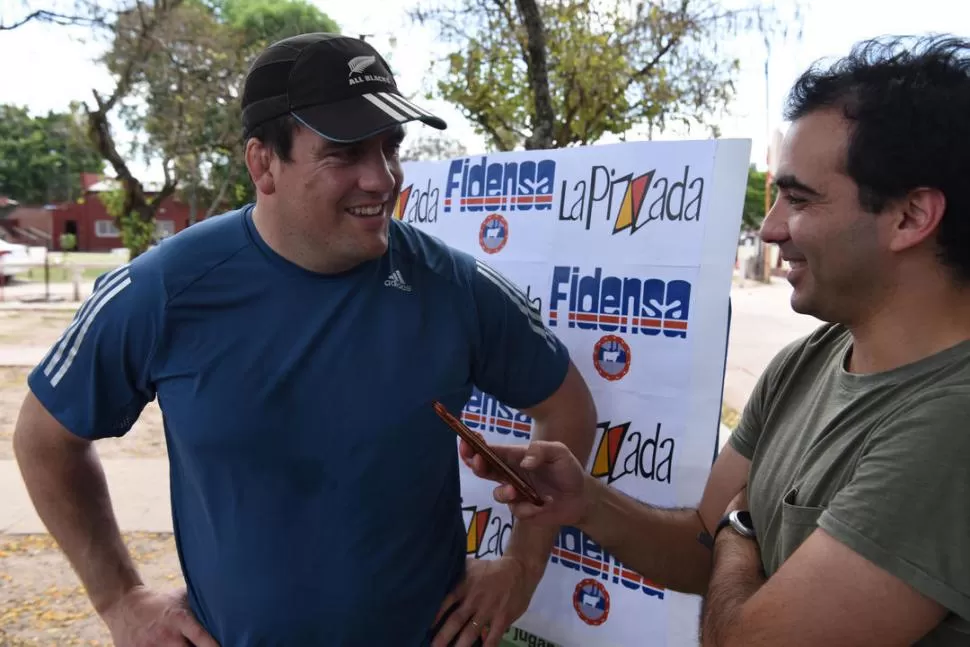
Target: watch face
{"points": [[741, 521], [745, 518]]}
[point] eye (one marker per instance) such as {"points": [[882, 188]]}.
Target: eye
{"points": [[393, 147], [795, 200]]}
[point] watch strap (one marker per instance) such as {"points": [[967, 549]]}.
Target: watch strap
{"points": [[707, 538]]}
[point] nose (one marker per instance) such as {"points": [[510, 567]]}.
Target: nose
{"points": [[774, 228], [378, 173]]}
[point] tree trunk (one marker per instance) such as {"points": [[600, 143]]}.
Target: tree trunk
{"points": [[538, 67], [99, 130], [221, 194]]}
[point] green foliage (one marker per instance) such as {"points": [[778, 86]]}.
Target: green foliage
{"points": [[265, 21], [67, 241], [612, 65], [137, 234], [113, 201], [42, 157], [190, 82], [754, 199]]}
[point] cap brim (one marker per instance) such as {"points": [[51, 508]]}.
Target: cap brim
{"points": [[364, 116]]}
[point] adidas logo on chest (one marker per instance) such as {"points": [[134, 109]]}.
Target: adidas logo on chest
{"points": [[396, 280]]}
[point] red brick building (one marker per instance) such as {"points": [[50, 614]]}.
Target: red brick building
{"points": [[88, 218], [26, 225]]}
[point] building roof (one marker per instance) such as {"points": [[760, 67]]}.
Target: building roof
{"points": [[111, 184]]}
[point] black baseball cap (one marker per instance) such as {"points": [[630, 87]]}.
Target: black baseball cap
{"points": [[338, 86]]}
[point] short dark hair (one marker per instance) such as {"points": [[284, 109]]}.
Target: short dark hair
{"points": [[908, 100], [277, 134]]}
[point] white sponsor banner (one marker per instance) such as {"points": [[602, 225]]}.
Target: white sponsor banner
{"points": [[626, 251]]}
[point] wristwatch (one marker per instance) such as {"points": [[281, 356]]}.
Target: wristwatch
{"points": [[739, 521]]}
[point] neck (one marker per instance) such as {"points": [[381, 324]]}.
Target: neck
{"points": [[294, 245], [915, 322]]}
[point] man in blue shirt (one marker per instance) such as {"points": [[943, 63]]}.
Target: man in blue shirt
{"points": [[295, 347]]}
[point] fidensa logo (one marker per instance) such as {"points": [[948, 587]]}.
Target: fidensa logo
{"points": [[621, 452], [618, 304], [484, 413], [577, 551], [676, 199], [475, 186], [485, 535], [416, 206]]}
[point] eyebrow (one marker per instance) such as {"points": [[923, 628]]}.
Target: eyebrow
{"points": [[395, 136], [789, 181]]}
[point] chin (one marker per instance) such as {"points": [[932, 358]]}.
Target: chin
{"points": [[376, 247], [800, 302], [804, 305]]}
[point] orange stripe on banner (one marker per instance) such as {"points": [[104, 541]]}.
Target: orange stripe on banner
{"points": [[644, 322]]}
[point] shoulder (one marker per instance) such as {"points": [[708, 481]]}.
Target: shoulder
{"points": [[930, 421], [798, 361], [428, 254], [809, 353], [179, 261]]}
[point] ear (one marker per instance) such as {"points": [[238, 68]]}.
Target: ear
{"points": [[259, 161], [918, 218]]}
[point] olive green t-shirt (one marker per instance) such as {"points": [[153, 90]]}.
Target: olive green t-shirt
{"points": [[881, 462]]}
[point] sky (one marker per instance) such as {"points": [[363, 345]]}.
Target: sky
{"points": [[46, 67]]}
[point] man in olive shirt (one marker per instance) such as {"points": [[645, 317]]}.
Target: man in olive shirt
{"points": [[854, 449]]}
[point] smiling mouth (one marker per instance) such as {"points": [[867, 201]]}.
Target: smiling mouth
{"points": [[368, 211]]}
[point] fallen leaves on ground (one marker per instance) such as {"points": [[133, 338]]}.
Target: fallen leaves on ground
{"points": [[42, 601]]}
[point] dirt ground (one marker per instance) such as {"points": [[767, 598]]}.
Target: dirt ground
{"points": [[42, 601], [40, 328], [32, 327], [145, 440]]}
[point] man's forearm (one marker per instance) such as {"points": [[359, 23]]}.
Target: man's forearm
{"points": [[68, 488], [659, 544], [736, 576], [530, 542]]}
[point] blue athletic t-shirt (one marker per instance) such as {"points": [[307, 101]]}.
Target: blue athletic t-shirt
{"points": [[315, 493]]}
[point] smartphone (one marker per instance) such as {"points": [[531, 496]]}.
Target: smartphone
{"points": [[490, 457]]}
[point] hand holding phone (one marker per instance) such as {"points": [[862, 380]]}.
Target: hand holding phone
{"points": [[486, 452]]}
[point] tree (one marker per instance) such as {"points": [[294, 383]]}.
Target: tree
{"points": [[188, 90], [181, 95], [84, 13], [754, 199], [432, 147], [265, 21], [258, 24], [134, 29], [42, 157], [571, 71], [178, 68]]}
